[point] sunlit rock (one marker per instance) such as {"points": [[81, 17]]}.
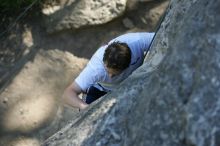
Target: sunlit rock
{"points": [[82, 13]]}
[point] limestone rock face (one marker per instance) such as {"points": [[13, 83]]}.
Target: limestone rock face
{"points": [[76, 14], [173, 99]]}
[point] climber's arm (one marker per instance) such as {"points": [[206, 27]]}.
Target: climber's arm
{"points": [[71, 98]]}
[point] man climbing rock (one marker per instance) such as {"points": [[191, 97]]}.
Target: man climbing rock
{"points": [[111, 64]]}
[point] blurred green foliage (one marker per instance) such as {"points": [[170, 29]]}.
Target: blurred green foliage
{"points": [[14, 5]]}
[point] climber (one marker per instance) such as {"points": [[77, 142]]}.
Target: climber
{"points": [[111, 64]]}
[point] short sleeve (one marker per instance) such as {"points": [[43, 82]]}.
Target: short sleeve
{"points": [[92, 73], [86, 78]]}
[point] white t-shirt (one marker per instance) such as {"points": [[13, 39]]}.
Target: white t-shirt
{"points": [[95, 73]]}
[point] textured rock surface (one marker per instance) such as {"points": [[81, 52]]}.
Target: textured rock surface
{"points": [[173, 99], [82, 13], [31, 102]]}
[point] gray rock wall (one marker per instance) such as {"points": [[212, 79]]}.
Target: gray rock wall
{"points": [[173, 99]]}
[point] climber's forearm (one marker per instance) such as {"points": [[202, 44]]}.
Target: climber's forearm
{"points": [[71, 98]]}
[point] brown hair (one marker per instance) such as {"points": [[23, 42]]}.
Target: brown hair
{"points": [[117, 56]]}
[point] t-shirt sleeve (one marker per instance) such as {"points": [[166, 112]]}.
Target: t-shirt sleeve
{"points": [[91, 73], [86, 78]]}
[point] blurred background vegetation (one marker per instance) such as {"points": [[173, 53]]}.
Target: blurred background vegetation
{"points": [[14, 5]]}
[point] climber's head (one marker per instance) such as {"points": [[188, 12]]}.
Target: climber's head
{"points": [[117, 58]]}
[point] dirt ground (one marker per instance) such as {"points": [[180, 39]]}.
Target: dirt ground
{"points": [[28, 36]]}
